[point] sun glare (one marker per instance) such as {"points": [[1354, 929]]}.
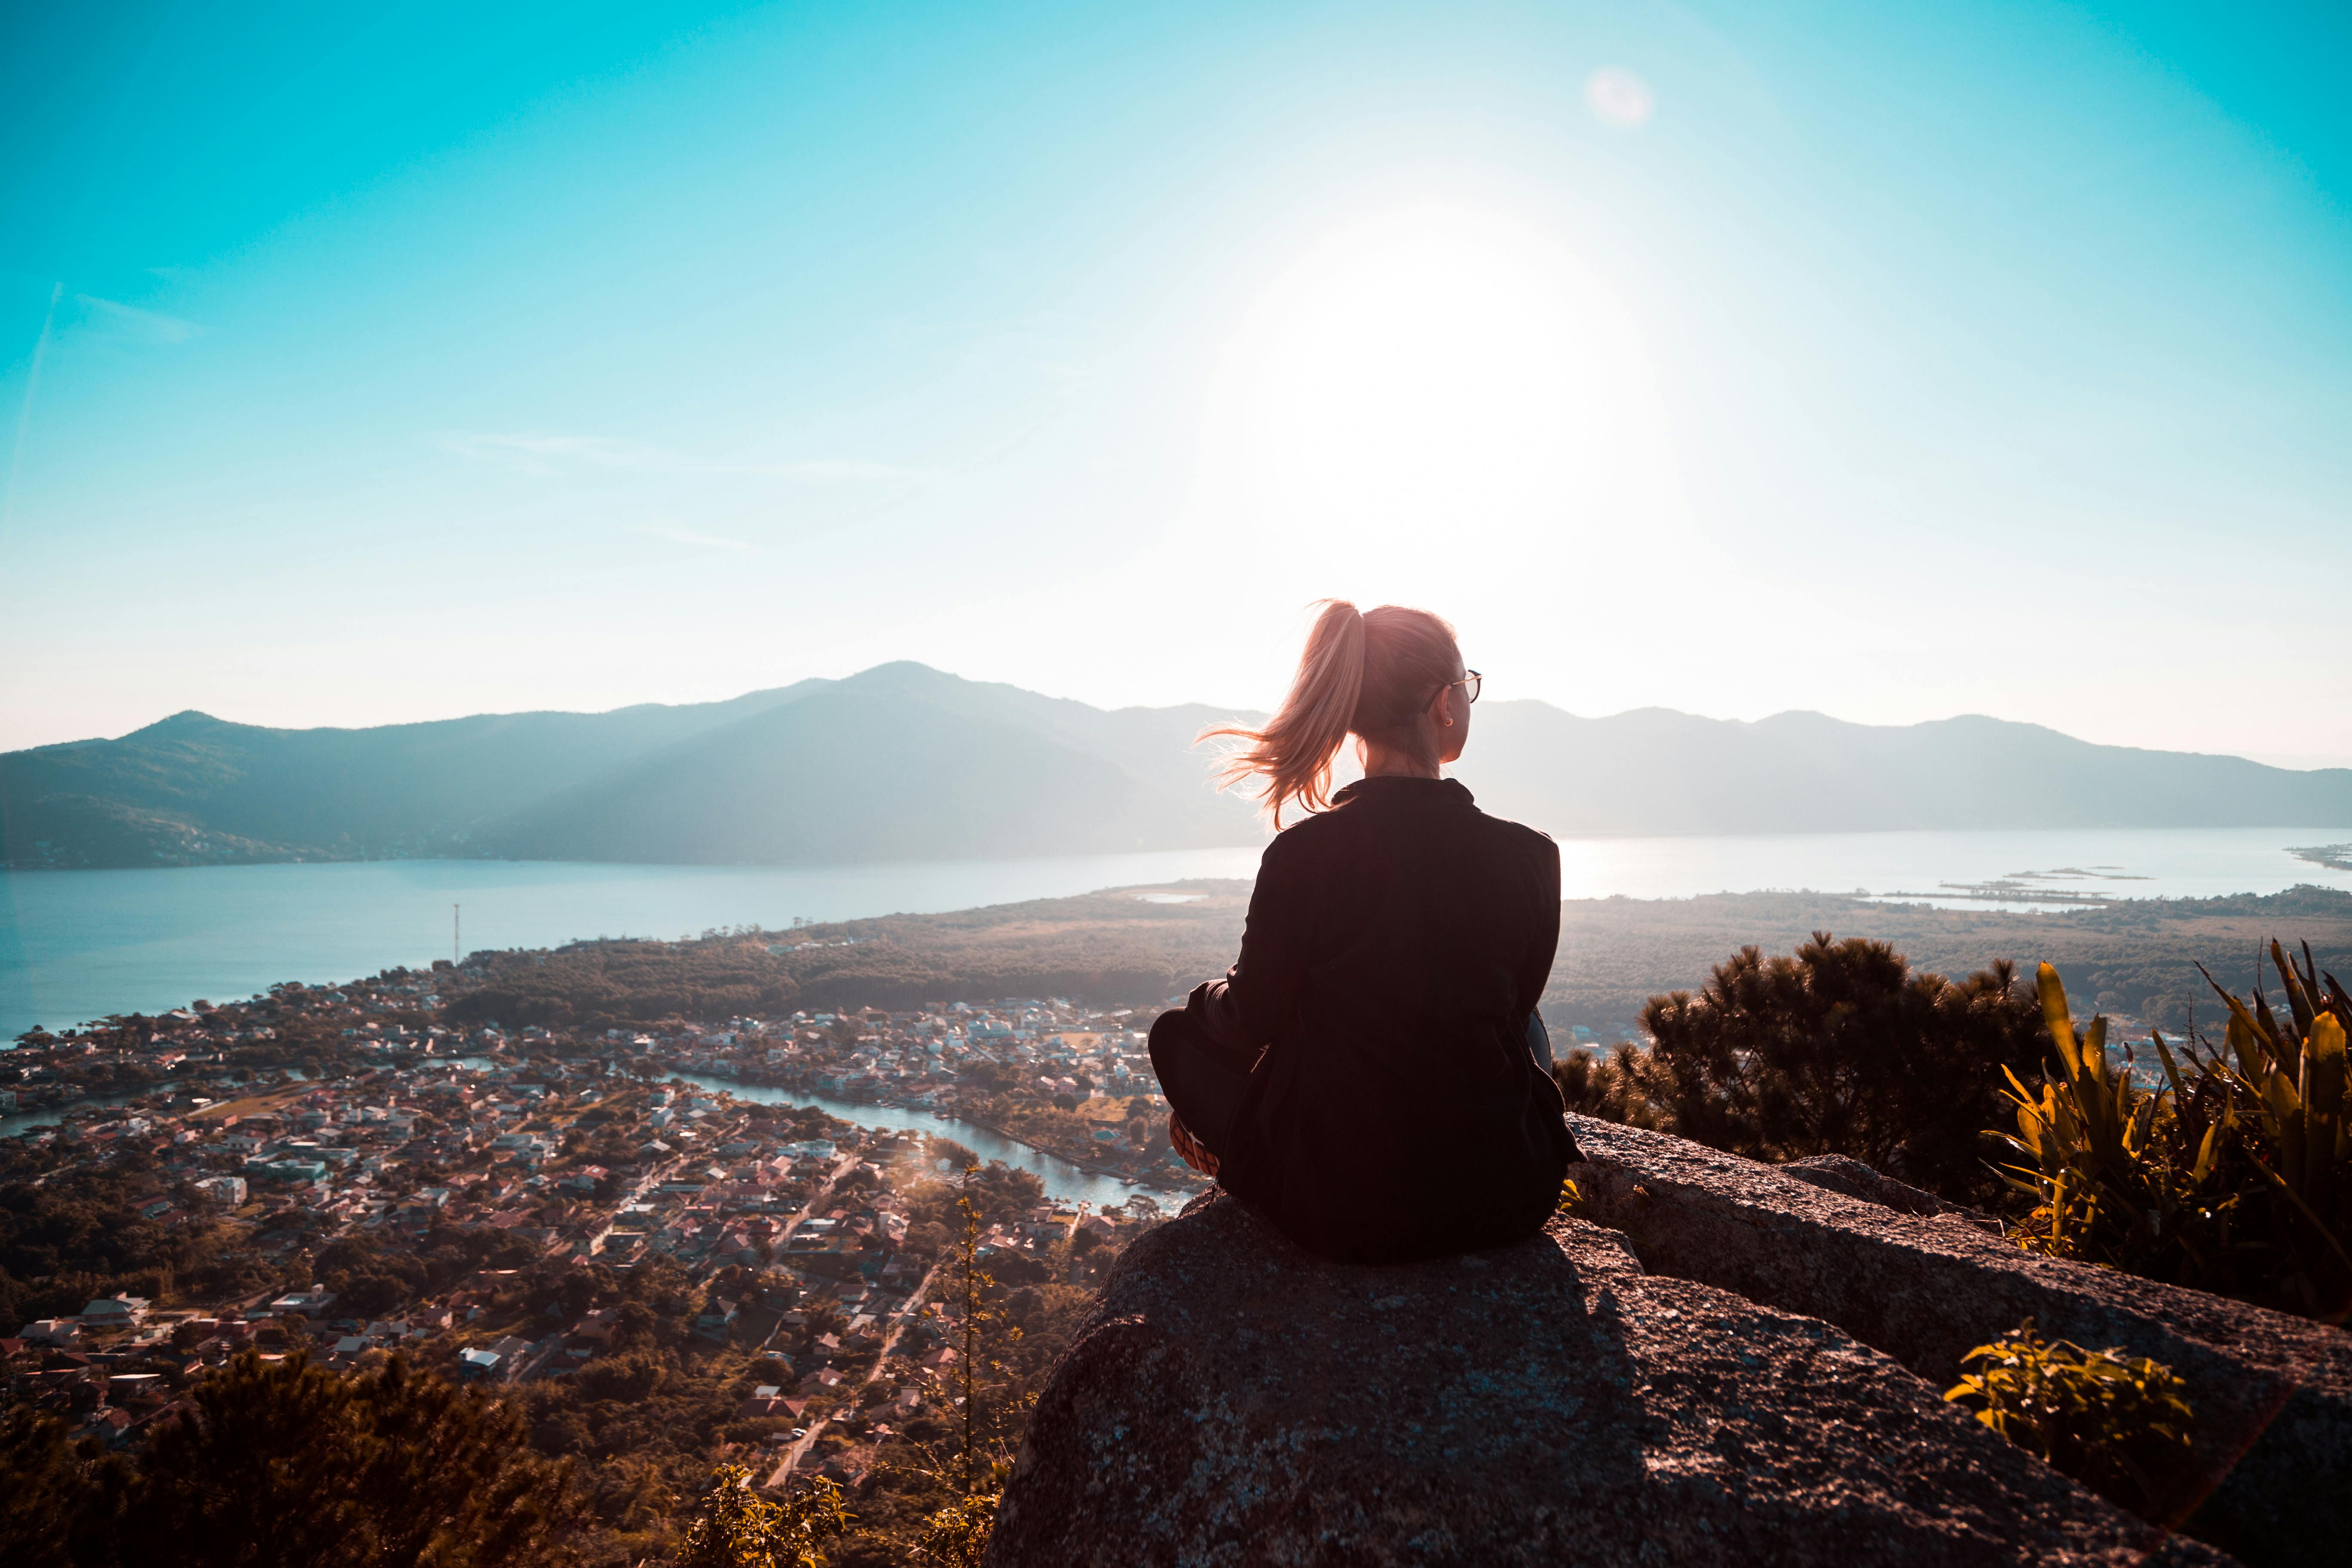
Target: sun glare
{"points": [[1434, 367]]}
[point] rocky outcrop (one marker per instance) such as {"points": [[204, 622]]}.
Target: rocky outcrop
{"points": [[1234, 1401], [2273, 1393], [1836, 1173]]}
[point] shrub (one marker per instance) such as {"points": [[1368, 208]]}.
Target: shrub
{"points": [[1839, 1050], [2231, 1177], [735, 1527], [2116, 1423], [957, 1534]]}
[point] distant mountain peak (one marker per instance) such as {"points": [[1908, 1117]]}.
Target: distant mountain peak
{"points": [[182, 723], [905, 675]]}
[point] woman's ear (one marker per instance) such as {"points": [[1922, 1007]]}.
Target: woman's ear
{"points": [[1441, 708]]}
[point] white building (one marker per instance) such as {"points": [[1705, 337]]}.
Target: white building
{"points": [[115, 1311], [227, 1191], [310, 1303]]}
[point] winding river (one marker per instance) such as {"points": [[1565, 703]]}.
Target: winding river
{"points": [[1070, 1182]]}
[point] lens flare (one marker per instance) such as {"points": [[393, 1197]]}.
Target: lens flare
{"points": [[1619, 97]]}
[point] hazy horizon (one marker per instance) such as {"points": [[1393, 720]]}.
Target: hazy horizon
{"points": [[2302, 765], [375, 368]]}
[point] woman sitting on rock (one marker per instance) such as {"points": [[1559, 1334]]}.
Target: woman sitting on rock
{"points": [[1372, 1074]]}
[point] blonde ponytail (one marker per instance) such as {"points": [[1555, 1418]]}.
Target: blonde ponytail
{"points": [[1362, 673]]}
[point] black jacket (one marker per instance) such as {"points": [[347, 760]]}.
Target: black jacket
{"points": [[1396, 947]]}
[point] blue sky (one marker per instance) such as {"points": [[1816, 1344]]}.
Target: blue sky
{"points": [[1892, 362]]}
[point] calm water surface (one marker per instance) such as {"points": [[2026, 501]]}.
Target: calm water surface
{"points": [[75, 945], [2025, 869]]}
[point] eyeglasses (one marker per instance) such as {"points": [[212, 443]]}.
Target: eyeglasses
{"points": [[1473, 680]]}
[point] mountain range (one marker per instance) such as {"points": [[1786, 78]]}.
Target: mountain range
{"points": [[903, 763]]}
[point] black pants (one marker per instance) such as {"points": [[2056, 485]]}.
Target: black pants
{"points": [[1204, 1081]]}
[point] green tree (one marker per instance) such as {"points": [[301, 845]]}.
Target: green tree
{"points": [[1838, 1049]]}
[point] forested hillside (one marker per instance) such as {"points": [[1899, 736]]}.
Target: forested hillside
{"points": [[1119, 946], [1126, 947]]}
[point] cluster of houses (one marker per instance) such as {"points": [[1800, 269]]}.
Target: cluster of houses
{"points": [[968, 1060], [949, 1058], [48, 1370], [576, 1166], [918, 1057], [202, 1052], [76, 1366], [794, 1232]]}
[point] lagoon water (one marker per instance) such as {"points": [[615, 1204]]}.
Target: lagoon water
{"points": [[75, 945]]}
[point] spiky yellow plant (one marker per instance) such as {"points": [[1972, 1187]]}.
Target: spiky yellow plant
{"points": [[2230, 1177]]}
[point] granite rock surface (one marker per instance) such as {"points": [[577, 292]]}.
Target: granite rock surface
{"points": [[1233, 1400], [1836, 1173], [2273, 1393]]}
